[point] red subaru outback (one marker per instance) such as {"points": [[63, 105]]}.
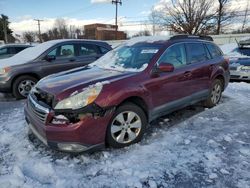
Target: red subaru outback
{"points": [[111, 102]]}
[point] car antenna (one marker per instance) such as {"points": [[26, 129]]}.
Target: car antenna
{"points": [[237, 42]]}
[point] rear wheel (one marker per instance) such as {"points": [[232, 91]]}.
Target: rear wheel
{"points": [[127, 126], [215, 94], [22, 86]]}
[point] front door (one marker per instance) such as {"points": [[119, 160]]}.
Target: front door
{"points": [[170, 90], [65, 58]]}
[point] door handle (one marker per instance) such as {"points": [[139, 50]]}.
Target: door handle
{"points": [[187, 74]]}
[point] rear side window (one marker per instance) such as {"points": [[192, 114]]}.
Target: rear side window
{"points": [[88, 49], [196, 52], [103, 50], [214, 50], [19, 49]]}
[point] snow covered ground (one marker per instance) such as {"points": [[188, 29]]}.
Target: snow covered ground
{"points": [[194, 147]]}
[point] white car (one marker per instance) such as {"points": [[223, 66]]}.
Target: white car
{"points": [[239, 57], [240, 69]]}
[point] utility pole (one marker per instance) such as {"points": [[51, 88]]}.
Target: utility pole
{"points": [[116, 2], [39, 29], [5, 29]]}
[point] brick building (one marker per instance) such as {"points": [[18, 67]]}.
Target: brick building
{"points": [[103, 32]]}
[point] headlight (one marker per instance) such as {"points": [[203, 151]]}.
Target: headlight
{"points": [[4, 70], [81, 99], [245, 68]]}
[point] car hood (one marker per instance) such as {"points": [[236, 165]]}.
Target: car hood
{"points": [[64, 84]]}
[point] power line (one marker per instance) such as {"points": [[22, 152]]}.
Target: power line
{"points": [[39, 28]]}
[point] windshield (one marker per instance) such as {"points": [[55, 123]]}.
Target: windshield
{"points": [[244, 51], [128, 58]]}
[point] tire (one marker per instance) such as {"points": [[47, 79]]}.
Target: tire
{"points": [[22, 86], [214, 94], [122, 133]]}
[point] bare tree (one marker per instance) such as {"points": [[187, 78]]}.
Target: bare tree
{"points": [[61, 26], [224, 15], [186, 16], [29, 36]]}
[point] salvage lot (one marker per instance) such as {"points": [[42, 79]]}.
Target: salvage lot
{"points": [[194, 147]]}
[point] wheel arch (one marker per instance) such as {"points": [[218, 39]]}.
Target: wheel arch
{"points": [[222, 79], [24, 74], [139, 101]]}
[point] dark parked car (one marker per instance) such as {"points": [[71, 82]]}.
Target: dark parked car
{"points": [[9, 50], [112, 102], [20, 73]]}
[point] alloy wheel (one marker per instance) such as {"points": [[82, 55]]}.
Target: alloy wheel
{"points": [[125, 127], [25, 87], [216, 93]]}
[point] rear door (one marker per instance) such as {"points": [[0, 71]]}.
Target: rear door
{"points": [[200, 66], [88, 53]]}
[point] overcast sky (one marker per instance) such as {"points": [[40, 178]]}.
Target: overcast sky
{"points": [[80, 12]]}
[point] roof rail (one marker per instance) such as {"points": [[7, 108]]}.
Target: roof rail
{"points": [[176, 37]]}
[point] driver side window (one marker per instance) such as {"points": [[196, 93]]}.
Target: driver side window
{"points": [[63, 51], [175, 55]]}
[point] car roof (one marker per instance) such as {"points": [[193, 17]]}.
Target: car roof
{"points": [[167, 39], [56, 41], [15, 45]]}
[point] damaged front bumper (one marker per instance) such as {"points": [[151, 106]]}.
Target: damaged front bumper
{"points": [[83, 130]]}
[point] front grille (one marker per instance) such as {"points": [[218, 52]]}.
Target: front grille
{"points": [[37, 110], [233, 68], [43, 97]]}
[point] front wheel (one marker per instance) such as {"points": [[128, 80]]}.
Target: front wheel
{"points": [[215, 94], [23, 85], [127, 126]]}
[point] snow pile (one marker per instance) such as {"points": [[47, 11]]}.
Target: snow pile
{"points": [[194, 147], [148, 39], [28, 54], [231, 51]]}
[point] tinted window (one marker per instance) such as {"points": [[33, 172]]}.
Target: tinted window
{"points": [[3, 51], [63, 51], [19, 49], [214, 50], [103, 50], [53, 52], [88, 49], [196, 52], [176, 55], [244, 51], [66, 51]]}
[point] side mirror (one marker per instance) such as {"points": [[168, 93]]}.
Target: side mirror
{"points": [[50, 58], [166, 67]]}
